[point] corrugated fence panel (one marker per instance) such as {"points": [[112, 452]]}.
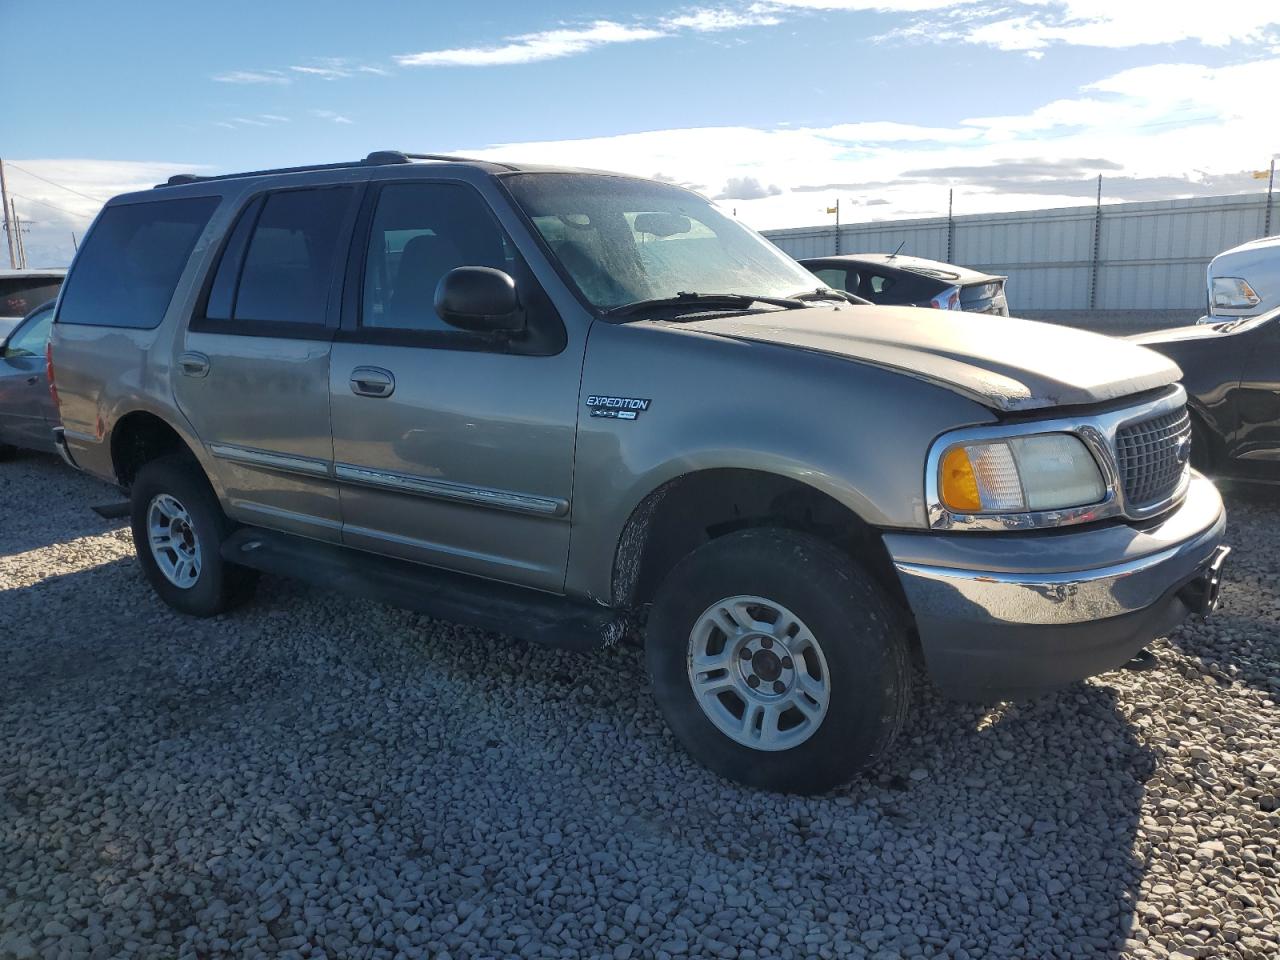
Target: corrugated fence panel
{"points": [[1151, 255]]}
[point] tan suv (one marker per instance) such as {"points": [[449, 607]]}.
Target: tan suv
{"points": [[582, 408]]}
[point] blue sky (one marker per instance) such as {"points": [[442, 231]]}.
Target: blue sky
{"points": [[776, 108]]}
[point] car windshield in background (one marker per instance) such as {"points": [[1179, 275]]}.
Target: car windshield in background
{"points": [[624, 241], [20, 295]]}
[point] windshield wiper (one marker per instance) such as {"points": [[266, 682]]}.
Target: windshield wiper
{"points": [[734, 301], [831, 293]]}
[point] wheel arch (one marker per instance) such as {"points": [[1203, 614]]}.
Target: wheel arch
{"points": [[699, 506], [140, 436]]}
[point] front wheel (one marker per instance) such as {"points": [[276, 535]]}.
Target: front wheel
{"points": [[178, 530], [778, 661]]}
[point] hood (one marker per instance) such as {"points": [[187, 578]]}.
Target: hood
{"points": [[1005, 364]]}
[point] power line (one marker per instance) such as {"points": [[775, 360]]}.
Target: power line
{"points": [[46, 203], [52, 183]]}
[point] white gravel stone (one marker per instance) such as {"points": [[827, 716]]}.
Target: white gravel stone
{"points": [[318, 777]]}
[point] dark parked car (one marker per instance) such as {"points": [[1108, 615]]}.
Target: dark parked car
{"points": [[27, 413], [1232, 374], [895, 280]]}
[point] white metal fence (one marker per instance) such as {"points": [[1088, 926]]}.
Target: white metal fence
{"points": [[1148, 256]]}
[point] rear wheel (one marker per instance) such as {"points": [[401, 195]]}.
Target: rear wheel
{"points": [[778, 661], [178, 530]]}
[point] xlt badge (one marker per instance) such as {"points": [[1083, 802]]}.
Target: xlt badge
{"points": [[617, 408]]}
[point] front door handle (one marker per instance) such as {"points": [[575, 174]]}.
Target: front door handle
{"points": [[194, 364], [372, 382]]}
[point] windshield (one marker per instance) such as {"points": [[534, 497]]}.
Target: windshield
{"points": [[625, 240]]}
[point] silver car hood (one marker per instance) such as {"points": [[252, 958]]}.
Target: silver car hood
{"points": [[1005, 364]]}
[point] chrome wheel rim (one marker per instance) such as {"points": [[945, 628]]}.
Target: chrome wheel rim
{"points": [[758, 673], [173, 541]]}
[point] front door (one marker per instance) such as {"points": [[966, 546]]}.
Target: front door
{"points": [[452, 448], [24, 389], [253, 366]]}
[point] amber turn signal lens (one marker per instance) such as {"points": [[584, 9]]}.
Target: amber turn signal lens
{"points": [[959, 484]]}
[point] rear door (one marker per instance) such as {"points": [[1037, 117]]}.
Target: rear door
{"points": [[453, 448], [25, 404], [252, 371]]}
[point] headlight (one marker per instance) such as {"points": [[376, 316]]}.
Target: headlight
{"points": [[1233, 293], [1048, 471]]}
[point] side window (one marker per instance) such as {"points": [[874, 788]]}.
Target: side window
{"points": [[223, 292], [290, 260], [831, 276], [881, 284], [129, 266], [30, 339], [420, 232]]}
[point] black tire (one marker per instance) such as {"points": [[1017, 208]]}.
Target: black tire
{"points": [[219, 585], [860, 634]]}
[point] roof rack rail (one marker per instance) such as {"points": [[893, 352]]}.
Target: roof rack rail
{"points": [[399, 156], [377, 158]]}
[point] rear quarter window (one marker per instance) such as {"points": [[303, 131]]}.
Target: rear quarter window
{"points": [[131, 261]]}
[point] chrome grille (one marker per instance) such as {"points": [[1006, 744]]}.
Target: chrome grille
{"points": [[1152, 456]]}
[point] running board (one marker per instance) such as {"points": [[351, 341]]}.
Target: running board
{"points": [[533, 615]]}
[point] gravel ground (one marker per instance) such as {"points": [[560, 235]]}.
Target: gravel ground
{"points": [[319, 777]]}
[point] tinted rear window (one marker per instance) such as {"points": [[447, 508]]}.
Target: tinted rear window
{"points": [[20, 295], [131, 262]]}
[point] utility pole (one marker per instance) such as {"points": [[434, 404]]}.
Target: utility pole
{"points": [[1271, 182], [1097, 249], [836, 211], [17, 231], [8, 227], [951, 226]]}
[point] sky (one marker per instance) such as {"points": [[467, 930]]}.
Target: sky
{"points": [[774, 108]]}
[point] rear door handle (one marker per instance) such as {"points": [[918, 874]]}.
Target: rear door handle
{"points": [[194, 364], [372, 382]]}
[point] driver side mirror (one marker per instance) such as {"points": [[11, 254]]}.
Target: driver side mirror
{"points": [[479, 299]]}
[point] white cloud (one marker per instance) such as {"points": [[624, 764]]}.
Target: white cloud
{"points": [[567, 41], [327, 73], [533, 47], [330, 115], [1153, 132], [712, 19], [252, 76], [261, 120], [1033, 25]]}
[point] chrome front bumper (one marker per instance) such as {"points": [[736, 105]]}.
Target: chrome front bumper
{"points": [[1007, 615]]}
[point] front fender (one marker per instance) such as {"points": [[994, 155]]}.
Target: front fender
{"points": [[856, 432]]}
